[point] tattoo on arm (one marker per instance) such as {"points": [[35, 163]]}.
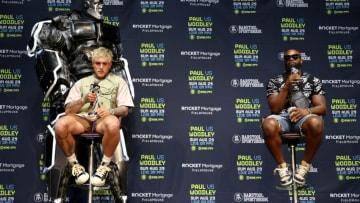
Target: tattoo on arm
{"points": [[75, 103], [118, 111]]}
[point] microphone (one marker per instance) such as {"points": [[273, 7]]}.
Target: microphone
{"points": [[94, 89], [297, 97], [294, 70]]}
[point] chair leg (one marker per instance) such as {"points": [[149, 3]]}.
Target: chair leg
{"points": [[293, 168], [91, 171], [63, 184]]}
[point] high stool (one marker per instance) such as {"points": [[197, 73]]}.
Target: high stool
{"points": [[59, 174], [93, 138], [292, 139], [115, 181]]}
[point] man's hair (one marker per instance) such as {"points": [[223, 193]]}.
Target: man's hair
{"points": [[101, 52]]}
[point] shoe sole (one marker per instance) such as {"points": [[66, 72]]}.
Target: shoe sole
{"points": [[287, 183], [82, 182], [97, 184], [299, 183]]}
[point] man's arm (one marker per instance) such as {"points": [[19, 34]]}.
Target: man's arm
{"points": [[319, 108], [276, 101], [75, 106], [120, 111], [319, 105], [75, 100]]}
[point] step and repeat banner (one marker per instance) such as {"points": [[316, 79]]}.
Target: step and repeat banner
{"points": [[199, 68]]}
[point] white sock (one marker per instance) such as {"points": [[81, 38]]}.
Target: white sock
{"points": [[106, 160], [283, 165], [72, 159]]}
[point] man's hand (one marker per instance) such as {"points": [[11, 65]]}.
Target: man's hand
{"points": [[292, 80], [101, 112], [90, 97], [297, 113]]}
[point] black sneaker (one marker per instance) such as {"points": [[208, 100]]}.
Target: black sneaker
{"points": [[78, 171], [99, 178]]}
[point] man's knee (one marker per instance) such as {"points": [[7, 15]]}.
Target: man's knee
{"points": [[109, 119], [313, 124], [271, 128], [111, 124], [270, 124], [60, 125], [63, 126]]}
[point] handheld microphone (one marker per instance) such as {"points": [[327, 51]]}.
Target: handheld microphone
{"points": [[94, 89], [297, 97], [294, 70]]}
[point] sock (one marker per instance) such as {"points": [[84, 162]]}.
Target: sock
{"points": [[304, 163], [106, 160], [283, 165], [72, 159]]}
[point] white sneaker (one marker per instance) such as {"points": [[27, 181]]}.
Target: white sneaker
{"points": [[78, 171], [99, 178], [285, 174], [301, 172]]}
